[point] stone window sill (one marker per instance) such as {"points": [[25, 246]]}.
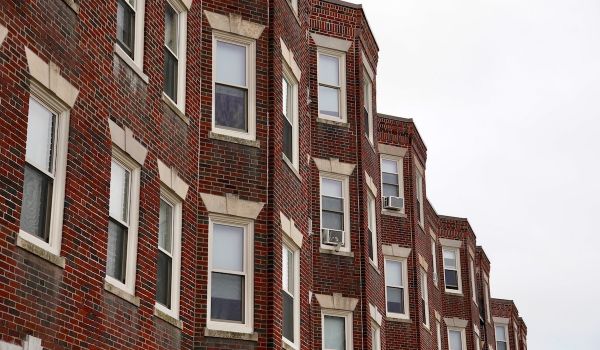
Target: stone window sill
{"points": [[168, 318], [119, 51], [397, 214], [132, 299], [294, 11], [227, 138], [41, 252], [286, 346], [373, 266], [211, 333], [333, 252], [457, 294], [399, 320], [333, 122], [175, 108], [291, 166], [73, 5]]}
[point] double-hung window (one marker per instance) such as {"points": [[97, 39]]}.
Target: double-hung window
{"points": [[337, 331], [473, 281], [130, 31], [372, 229], [334, 211], [175, 52], [169, 254], [452, 269], [331, 78], [290, 117], [375, 336], [231, 305], [290, 292], [456, 339], [424, 299], [486, 298], [434, 260], [501, 337], [368, 106], [392, 183], [419, 209], [396, 281], [234, 77], [123, 221], [44, 175]]}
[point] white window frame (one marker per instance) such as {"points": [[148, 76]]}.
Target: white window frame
{"points": [[406, 314], [293, 83], [462, 337], [137, 62], [438, 328], [486, 297], [177, 206], [400, 166], [182, 12], [132, 228], [506, 336], [347, 315], [250, 45], [372, 223], [368, 94], [346, 190], [477, 341], [425, 297], [61, 133], [342, 75], [375, 336], [291, 246], [434, 270], [472, 275], [419, 184], [248, 326], [458, 268]]}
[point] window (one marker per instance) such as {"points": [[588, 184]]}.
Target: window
{"points": [[234, 77], [337, 331], [230, 306], [372, 230], [486, 297], [419, 210], [44, 176], [439, 335], [456, 339], [473, 285], [290, 118], [452, 270], [130, 30], [332, 76], [123, 222], [334, 212], [368, 106], [169, 254], [501, 337], [175, 52], [434, 258], [291, 295], [392, 182], [395, 288], [375, 336], [424, 299]]}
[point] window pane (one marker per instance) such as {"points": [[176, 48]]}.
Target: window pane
{"points": [[334, 221], [450, 258], [37, 203], [500, 335], [228, 248], [329, 101], [231, 63], [333, 204], [451, 279], [329, 70], [390, 190], [227, 295], [455, 340], [284, 98], [171, 77], [390, 178], [393, 273], [395, 300], [165, 226], [331, 188], [125, 27], [40, 136], [288, 271], [389, 166], [163, 284], [370, 242], [334, 333], [116, 256], [119, 192], [231, 107], [288, 316], [501, 346], [171, 29], [288, 139]]}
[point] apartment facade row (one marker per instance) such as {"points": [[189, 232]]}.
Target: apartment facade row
{"points": [[186, 174]]}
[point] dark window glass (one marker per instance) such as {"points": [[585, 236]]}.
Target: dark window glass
{"points": [[288, 316], [451, 279], [370, 234], [125, 27], [230, 107], [171, 54], [163, 285], [227, 295], [366, 121], [171, 75], [117, 250], [287, 139], [395, 300], [37, 203]]}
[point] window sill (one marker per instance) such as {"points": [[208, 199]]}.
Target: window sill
{"points": [[397, 319], [333, 252], [211, 333], [168, 318], [291, 166], [111, 288], [333, 122], [374, 266], [287, 346], [227, 138], [175, 108], [397, 214], [119, 51], [41, 252], [455, 293], [73, 5]]}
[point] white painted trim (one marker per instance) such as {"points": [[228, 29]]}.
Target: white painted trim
{"points": [[405, 287], [347, 315], [292, 80], [486, 297], [234, 24], [347, 224], [438, 328], [463, 337], [473, 281], [342, 81], [425, 297], [181, 7], [420, 193], [330, 42], [291, 246], [368, 103], [434, 256], [372, 210]]}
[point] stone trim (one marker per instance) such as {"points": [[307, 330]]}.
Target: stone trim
{"points": [[167, 318], [423, 263], [451, 243], [41, 252], [333, 122], [3, 33], [227, 138], [336, 302], [121, 293], [367, 66], [501, 320], [476, 330], [331, 42], [176, 109], [333, 165], [30, 343], [456, 322], [334, 252], [433, 235], [289, 228], [375, 314], [211, 333], [170, 178], [231, 205], [125, 141], [187, 4], [395, 250], [438, 316], [233, 23], [371, 184], [288, 58], [486, 278], [392, 150], [471, 252], [74, 5], [420, 167], [48, 76]]}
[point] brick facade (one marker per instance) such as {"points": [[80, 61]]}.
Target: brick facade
{"points": [[62, 299]]}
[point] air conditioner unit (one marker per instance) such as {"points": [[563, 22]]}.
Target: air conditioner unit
{"points": [[332, 237], [393, 203]]}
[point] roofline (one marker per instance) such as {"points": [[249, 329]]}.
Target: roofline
{"points": [[357, 7], [456, 218], [389, 116], [505, 301]]}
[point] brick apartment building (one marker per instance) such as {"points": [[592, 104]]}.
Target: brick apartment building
{"points": [[196, 174]]}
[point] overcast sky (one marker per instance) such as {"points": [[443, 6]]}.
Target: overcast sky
{"points": [[506, 94]]}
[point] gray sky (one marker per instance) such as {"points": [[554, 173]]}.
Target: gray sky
{"points": [[506, 94]]}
